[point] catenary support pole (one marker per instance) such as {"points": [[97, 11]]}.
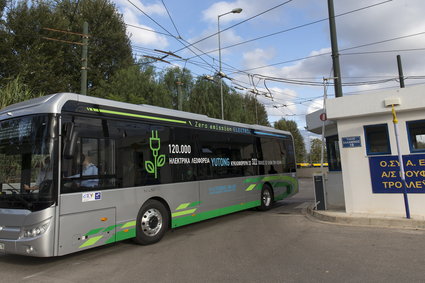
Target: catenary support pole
{"points": [[400, 71], [335, 52], [84, 56]]}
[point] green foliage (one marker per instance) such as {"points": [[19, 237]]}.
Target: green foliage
{"points": [[52, 66], [45, 66], [2, 6], [109, 47], [205, 98], [177, 80], [23, 50], [136, 86], [316, 151], [292, 127], [15, 91], [253, 112]]}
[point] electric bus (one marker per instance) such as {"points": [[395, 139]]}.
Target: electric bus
{"points": [[78, 172]]}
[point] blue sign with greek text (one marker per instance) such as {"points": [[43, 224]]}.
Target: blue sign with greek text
{"points": [[351, 141], [385, 174]]}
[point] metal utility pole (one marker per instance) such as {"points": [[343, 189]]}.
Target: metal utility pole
{"points": [[84, 59], [220, 73], [84, 44], [335, 52], [180, 96], [400, 71]]}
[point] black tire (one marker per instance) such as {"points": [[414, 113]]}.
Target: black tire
{"points": [[152, 222], [266, 198]]}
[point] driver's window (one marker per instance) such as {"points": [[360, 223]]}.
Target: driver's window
{"points": [[42, 170], [88, 159]]}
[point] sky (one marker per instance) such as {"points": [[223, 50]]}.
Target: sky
{"points": [[273, 41]]}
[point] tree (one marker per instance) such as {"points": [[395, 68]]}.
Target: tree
{"points": [[135, 85], [2, 6], [109, 45], [292, 127], [316, 151], [178, 81], [24, 52], [205, 98], [15, 91], [253, 112], [51, 66]]}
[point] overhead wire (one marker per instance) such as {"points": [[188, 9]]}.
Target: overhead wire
{"points": [[382, 51], [294, 28], [150, 30], [178, 39], [329, 53], [172, 21], [232, 26], [286, 81]]}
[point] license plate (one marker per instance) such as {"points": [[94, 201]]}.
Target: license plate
{"points": [[1, 247]]}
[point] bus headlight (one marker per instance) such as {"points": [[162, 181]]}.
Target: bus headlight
{"points": [[35, 230]]}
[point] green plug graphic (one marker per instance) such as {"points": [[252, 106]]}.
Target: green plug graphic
{"points": [[159, 160]]}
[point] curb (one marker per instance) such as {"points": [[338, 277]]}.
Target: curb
{"points": [[365, 220]]}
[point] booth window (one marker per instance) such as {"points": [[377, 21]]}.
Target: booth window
{"points": [[377, 139], [416, 132], [334, 159]]}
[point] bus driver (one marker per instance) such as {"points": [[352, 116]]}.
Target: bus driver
{"points": [[89, 169]]}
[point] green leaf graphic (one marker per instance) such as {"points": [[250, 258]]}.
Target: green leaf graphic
{"points": [[150, 167], [161, 160]]}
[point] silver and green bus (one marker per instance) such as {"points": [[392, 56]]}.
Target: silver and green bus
{"points": [[78, 172]]}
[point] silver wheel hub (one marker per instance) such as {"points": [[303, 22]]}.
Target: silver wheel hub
{"points": [[151, 222], [266, 198]]}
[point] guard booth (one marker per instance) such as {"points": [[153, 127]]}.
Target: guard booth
{"points": [[361, 128], [333, 190]]}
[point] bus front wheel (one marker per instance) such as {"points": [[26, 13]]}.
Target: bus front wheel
{"points": [[266, 198], [152, 222]]}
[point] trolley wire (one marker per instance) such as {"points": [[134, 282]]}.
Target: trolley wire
{"points": [[329, 53], [178, 39], [289, 29], [169, 15], [232, 26]]}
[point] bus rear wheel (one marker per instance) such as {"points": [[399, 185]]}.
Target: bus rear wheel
{"points": [[152, 222], [266, 198]]}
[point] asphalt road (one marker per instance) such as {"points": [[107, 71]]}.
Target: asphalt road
{"points": [[280, 245]]}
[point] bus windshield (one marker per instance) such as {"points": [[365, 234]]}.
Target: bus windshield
{"points": [[26, 162]]}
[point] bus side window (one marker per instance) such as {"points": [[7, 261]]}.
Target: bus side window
{"points": [[88, 158], [106, 164], [242, 152], [131, 150], [272, 154], [289, 165]]}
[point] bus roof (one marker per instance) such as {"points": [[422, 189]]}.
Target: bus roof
{"points": [[53, 104]]}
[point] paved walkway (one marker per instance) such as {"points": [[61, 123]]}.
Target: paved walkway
{"points": [[391, 221]]}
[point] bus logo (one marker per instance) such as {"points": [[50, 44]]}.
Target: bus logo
{"points": [[91, 196], [159, 160]]}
